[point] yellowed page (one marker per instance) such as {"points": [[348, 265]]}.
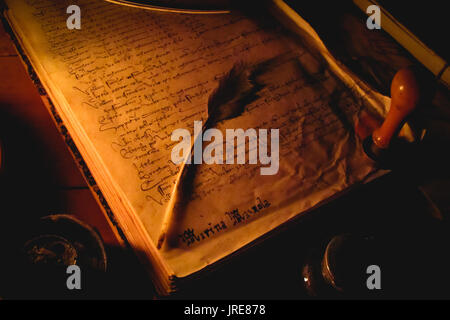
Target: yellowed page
{"points": [[130, 77]]}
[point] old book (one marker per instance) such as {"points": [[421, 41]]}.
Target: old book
{"points": [[124, 84]]}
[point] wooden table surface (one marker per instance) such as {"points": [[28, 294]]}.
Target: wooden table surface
{"points": [[19, 99]]}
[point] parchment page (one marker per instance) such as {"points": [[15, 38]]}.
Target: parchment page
{"points": [[131, 77]]}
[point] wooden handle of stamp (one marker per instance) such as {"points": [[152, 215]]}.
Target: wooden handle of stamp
{"points": [[405, 97]]}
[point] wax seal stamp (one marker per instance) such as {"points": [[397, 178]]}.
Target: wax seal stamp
{"points": [[406, 95]]}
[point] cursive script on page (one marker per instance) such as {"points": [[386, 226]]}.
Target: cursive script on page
{"points": [[131, 77]]}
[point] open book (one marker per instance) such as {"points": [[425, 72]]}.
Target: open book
{"points": [[130, 78]]}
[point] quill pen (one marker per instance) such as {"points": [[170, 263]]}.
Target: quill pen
{"points": [[236, 89]]}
